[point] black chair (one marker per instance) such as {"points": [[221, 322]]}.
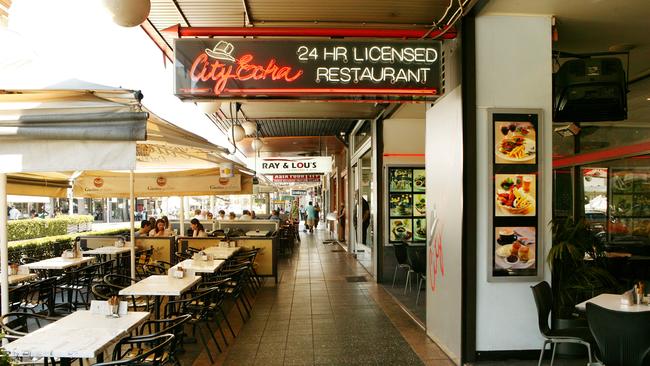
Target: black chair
{"points": [[141, 351], [417, 259], [102, 291], [544, 301], [402, 262], [41, 293], [173, 326], [623, 338]]}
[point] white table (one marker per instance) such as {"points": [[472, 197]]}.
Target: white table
{"points": [[81, 334], [201, 266], [18, 278], [59, 263], [160, 285], [221, 253], [257, 233], [612, 302], [108, 250]]}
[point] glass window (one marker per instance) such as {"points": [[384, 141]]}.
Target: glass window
{"points": [[362, 135]]}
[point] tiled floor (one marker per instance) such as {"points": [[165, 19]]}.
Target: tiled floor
{"points": [[316, 316]]}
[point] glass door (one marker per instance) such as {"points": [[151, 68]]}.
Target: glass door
{"points": [[363, 205]]}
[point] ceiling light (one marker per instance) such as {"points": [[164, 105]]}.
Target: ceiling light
{"points": [[209, 107], [257, 144], [236, 132], [249, 127], [128, 13]]}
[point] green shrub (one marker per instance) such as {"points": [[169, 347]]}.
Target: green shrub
{"points": [[40, 228], [52, 246]]}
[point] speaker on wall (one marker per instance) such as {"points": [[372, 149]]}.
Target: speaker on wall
{"points": [[590, 90]]}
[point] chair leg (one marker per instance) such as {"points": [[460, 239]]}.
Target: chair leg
{"points": [[214, 339], [395, 274], [408, 277], [553, 354], [589, 352], [541, 354], [205, 344], [417, 298], [227, 321]]}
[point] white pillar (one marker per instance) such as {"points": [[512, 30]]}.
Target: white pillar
{"points": [[181, 217], [132, 218], [4, 251], [108, 210]]}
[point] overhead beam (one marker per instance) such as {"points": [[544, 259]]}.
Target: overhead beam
{"points": [[247, 13], [446, 32]]}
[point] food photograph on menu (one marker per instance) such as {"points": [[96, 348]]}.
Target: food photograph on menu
{"points": [[401, 229], [515, 249], [419, 205], [401, 204], [401, 180], [514, 195], [419, 180], [515, 143], [419, 230]]}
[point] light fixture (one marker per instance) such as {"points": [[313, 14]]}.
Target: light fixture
{"points": [[209, 107], [128, 13], [257, 144], [568, 131], [236, 132], [249, 127]]}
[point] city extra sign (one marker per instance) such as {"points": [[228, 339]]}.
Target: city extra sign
{"points": [[294, 165], [331, 69]]}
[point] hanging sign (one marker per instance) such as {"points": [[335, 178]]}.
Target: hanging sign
{"points": [[370, 70], [296, 178], [294, 165], [298, 192]]}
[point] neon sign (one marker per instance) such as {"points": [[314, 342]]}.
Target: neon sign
{"points": [[373, 70]]}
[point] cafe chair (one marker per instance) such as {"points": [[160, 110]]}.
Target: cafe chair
{"points": [[173, 326], [544, 301], [402, 262], [141, 350], [623, 338], [102, 291], [418, 261], [41, 293], [15, 325]]}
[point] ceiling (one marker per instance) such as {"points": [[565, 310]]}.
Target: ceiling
{"points": [[295, 146], [299, 118]]}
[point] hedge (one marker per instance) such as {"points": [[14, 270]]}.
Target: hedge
{"points": [[40, 228], [51, 246]]}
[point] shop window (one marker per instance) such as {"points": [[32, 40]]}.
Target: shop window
{"points": [[362, 135]]}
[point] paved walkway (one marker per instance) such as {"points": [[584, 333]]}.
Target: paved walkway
{"points": [[326, 310]]}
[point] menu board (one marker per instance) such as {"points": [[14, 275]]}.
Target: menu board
{"points": [[407, 205], [515, 195], [629, 207]]}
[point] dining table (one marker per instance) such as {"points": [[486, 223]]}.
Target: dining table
{"points": [[21, 277], [221, 252], [159, 286], [58, 263], [82, 334], [107, 250], [612, 302], [200, 266]]}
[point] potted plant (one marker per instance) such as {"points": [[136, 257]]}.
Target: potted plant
{"points": [[579, 267]]}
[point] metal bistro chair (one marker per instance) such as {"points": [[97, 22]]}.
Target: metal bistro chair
{"points": [[141, 350], [623, 338], [418, 260], [402, 262], [544, 300]]}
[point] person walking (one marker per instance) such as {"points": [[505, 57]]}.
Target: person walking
{"points": [[311, 217], [341, 218]]}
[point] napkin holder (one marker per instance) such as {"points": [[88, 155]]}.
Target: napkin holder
{"points": [[119, 243], [23, 270], [223, 244], [177, 272], [100, 307], [627, 298], [68, 254]]}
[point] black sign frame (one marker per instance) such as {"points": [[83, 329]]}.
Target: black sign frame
{"points": [[378, 70]]}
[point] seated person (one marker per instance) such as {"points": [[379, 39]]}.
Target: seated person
{"points": [[232, 216], [221, 215], [197, 229], [160, 229], [246, 215], [274, 216], [253, 217], [145, 228]]}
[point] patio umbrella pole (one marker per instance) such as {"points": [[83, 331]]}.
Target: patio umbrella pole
{"points": [[132, 219], [181, 217], [4, 251]]}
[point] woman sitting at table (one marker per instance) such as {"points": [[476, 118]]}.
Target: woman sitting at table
{"points": [[160, 229], [197, 229]]}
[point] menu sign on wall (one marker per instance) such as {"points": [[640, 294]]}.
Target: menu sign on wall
{"points": [[209, 68], [296, 178], [515, 221], [294, 165], [407, 205]]}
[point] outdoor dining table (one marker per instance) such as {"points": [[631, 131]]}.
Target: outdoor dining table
{"points": [[200, 266], [159, 286], [19, 278], [107, 250], [59, 263], [612, 302], [220, 252], [81, 334]]}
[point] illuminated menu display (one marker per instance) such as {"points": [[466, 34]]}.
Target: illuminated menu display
{"points": [[217, 68]]}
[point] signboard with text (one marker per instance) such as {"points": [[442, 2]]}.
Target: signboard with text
{"points": [[294, 165], [296, 178], [366, 70]]}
